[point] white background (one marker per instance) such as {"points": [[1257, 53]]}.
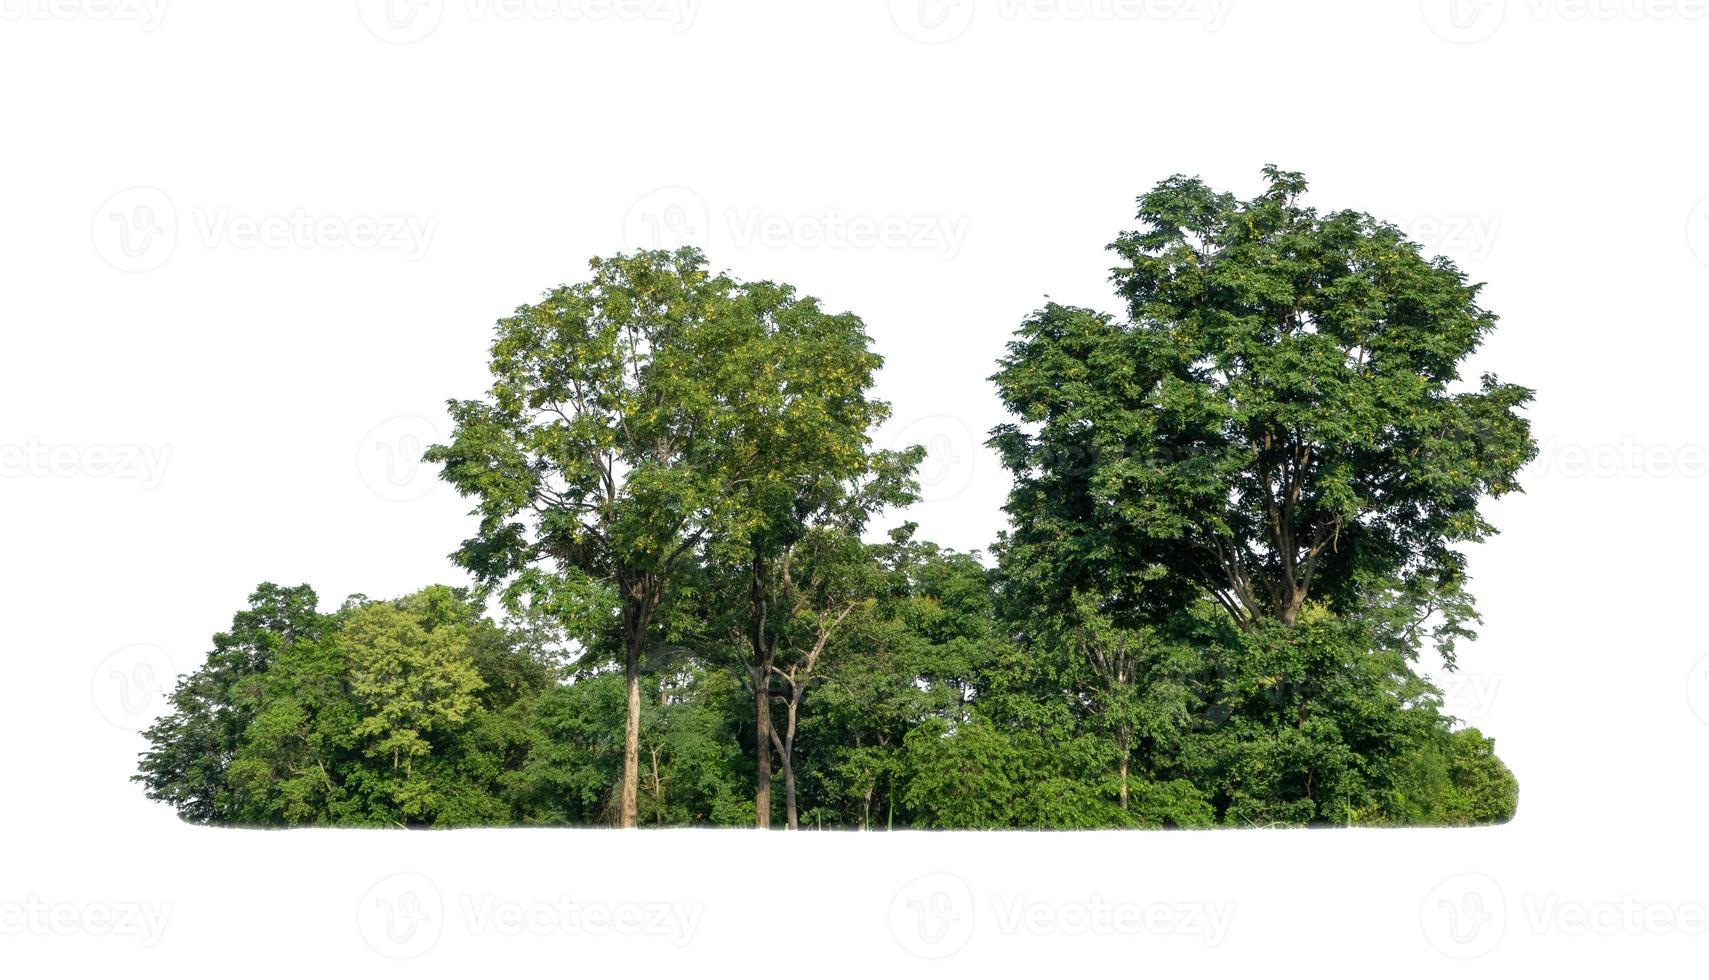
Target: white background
{"points": [[197, 394]]}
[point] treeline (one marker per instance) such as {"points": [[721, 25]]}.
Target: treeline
{"points": [[1233, 532]]}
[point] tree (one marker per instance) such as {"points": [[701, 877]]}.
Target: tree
{"points": [[1280, 418], [818, 584], [410, 672], [802, 421], [191, 748], [604, 452]]}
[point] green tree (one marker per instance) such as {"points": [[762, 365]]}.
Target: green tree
{"points": [[1280, 418], [410, 672], [604, 452], [191, 747], [803, 421]]}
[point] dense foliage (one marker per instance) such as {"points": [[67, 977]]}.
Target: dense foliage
{"points": [[1234, 531]]}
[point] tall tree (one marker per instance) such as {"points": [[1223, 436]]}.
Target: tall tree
{"points": [[803, 417], [1280, 418], [602, 456]]}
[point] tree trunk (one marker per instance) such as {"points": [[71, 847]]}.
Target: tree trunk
{"points": [[762, 753], [761, 672], [1122, 740], [658, 789], [789, 794], [627, 811], [788, 756]]}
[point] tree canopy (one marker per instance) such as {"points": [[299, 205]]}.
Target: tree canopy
{"points": [[1239, 519]]}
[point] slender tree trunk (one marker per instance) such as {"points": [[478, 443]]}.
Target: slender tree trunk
{"points": [[628, 813], [658, 789], [761, 669], [789, 795], [762, 752], [787, 754], [1123, 740]]}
